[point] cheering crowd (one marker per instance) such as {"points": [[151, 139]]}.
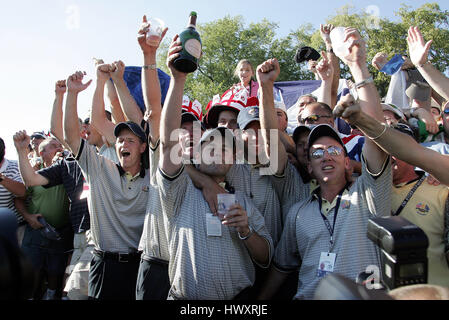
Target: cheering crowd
{"points": [[126, 204]]}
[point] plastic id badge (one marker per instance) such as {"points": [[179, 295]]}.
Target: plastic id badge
{"points": [[394, 65], [326, 264], [213, 225]]}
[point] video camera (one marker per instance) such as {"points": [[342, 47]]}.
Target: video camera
{"points": [[403, 251]]}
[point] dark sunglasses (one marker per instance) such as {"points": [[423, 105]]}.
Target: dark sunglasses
{"points": [[332, 151], [312, 119]]}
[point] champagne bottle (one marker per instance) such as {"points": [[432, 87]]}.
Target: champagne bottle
{"points": [[191, 47]]}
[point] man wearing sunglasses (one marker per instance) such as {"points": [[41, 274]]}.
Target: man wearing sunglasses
{"points": [[320, 113], [326, 233]]}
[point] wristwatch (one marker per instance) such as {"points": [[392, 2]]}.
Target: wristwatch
{"points": [[250, 233]]}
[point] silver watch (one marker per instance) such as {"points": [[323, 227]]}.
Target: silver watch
{"points": [[250, 233]]}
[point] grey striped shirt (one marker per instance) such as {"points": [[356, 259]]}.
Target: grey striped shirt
{"points": [[117, 206], [10, 169], [306, 236], [154, 241], [204, 267], [266, 191]]}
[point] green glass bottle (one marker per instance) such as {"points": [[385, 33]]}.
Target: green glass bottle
{"points": [[191, 47]]}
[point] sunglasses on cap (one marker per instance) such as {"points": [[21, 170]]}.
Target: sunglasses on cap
{"points": [[312, 118], [332, 151]]}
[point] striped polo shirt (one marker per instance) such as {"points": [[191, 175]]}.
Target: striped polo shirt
{"points": [[204, 267], [154, 241], [305, 234], [10, 169], [267, 191], [117, 202]]}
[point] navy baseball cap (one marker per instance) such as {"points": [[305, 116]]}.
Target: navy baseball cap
{"points": [[247, 115], [325, 130], [134, 127], [298, 130]]}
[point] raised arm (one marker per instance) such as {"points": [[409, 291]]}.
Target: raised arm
{"points": [[171, 113], [150, 81], [396, 143], [71, 125], [98, 117], [267, 73], [325, 31], [29, 176], [129, 105], [116, 109], [369, 99], [419, 53], [325, 72], [56, 113]]}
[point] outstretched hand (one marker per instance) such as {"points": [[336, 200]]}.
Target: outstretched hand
{"points": [[357, 47], [324, 69], [419, 50]]}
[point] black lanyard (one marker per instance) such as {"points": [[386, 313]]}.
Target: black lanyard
{"points": [[326, 222], [409, 196]]}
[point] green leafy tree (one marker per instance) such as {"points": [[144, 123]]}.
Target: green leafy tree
{"points": [[228, 40]]}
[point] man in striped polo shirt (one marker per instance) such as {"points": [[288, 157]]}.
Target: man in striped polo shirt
{"points": [[209, 258], [326, 232], [11, 188], [117, 201]]}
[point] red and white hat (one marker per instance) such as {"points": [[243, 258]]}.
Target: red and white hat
{"points": [[191, 108], [234, 99]]}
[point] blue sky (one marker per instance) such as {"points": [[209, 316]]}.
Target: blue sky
{"points": [[47, 40]]}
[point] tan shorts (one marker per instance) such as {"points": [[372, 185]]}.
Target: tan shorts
{"points": [[77, 283]]}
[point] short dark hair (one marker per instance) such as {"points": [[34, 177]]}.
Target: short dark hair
{"points": [[2, 149]]}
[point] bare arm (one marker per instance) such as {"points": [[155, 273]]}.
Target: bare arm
{"points": [[419, 52], [129, 105], [397, 143], [30, 218], [258, 246], [369, 99], [171, 113], [207, 185], [29, 176], [98, 115], [333, 61], [325, 73], [56, 113], [267, 73], [70, 124], [116, 109], [150, 82]]}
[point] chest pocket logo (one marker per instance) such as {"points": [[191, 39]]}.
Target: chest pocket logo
{"points": [[345, 204], [422, 209]]}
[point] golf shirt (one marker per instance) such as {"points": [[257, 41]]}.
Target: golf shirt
{"points": [[117, 202], [203, 267], [306, 236]]}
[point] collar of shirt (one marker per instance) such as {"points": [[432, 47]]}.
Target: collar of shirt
{"points": [[128, 175], [327, 206], [4, 165]]}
